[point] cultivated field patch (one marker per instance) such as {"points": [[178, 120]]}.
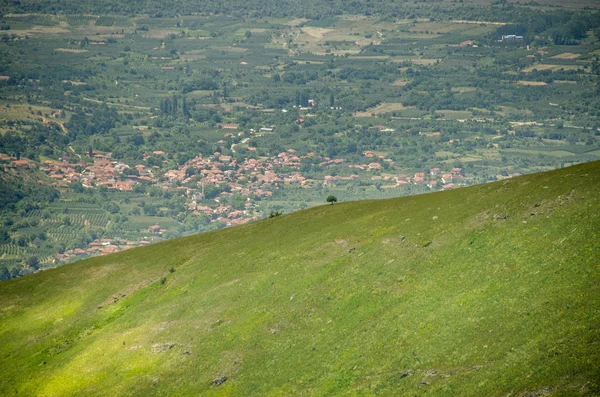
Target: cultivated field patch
{"points": [[296, 22], [531, 83], [19, 111], [383, 108], [415, 60], [554, 153], [72, 50], [229, 49], [464, 89], [550, 67], [455, 114], [317, 33], [567, 55], [160, 33]]}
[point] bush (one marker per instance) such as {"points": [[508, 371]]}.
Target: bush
{"points": [[273, 214]]}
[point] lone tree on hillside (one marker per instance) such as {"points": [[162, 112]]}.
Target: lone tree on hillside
{"points": [[332, 199], [274, 214]]}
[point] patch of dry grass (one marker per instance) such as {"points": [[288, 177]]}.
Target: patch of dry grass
{"points": [[317, 33], [567, 55], [531, 83], [18, 111], [71, 50]]}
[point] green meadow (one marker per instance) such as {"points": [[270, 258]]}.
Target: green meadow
{"points": [[483, 291]]}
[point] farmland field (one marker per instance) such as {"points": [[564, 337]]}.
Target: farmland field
{"points": [[382, 109]]}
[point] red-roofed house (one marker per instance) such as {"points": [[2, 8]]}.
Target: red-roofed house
{"points": [[154, 229]]}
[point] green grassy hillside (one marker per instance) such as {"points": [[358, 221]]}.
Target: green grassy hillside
{"points": [[484, 291]]}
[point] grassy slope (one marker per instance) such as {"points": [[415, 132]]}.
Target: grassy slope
{"points": [[437, 297]]}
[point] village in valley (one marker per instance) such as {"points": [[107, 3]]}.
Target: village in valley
{"points": [[147, 128], [254, 180]]}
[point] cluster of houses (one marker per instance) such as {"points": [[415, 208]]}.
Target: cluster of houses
{"points": [[375, 163], [252, 179], [99, 247], [18, 163], [436, 178], [258, 178], [102, 172]]}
